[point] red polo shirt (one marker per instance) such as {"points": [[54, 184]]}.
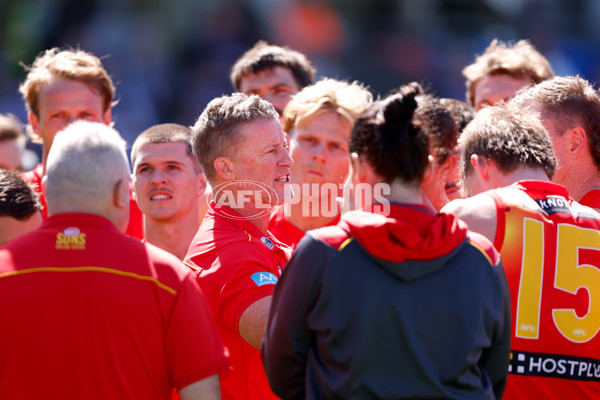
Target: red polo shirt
{"points": [[286, 232], [237, 265], [92, 313]]}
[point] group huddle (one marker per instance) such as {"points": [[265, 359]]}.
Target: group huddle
{"points": [[306, 240]]}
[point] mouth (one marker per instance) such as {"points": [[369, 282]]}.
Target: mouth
{"points": [[160, 196], [317, 173], [283, 179]]}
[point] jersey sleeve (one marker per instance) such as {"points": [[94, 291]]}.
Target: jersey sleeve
{"points": [[194, 347], [248, 276], [288, 338]]}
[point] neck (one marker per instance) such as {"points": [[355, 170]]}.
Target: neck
{"points": [[305, 218], [521, 174], [581, 181], [401, 193], [173, 236]]}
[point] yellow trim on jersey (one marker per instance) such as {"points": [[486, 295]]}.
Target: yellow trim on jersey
{"points": [[193, 267], [249, 237], [345, 243], [482, 251], [97, 269]]}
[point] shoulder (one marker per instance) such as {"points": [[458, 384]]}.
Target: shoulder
{"points": [[484, 246], [478, 206], [332, 236]]}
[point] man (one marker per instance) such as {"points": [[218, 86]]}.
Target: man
{"points": [[93, 313], [20, 210], [63, 86], [396, 301], [570, 111], [463, 113], [242, 149], [318, 121], [503, 69], [549, 246], [169, 185], [272, 72], [12, 142]]}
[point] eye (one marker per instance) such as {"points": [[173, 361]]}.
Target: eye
{"points": [[143, 169]]}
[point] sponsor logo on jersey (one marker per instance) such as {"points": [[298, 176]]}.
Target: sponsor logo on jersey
{"points": [[554, 205], [70, 239], [264, 278], [267, 242], [554, 366]]}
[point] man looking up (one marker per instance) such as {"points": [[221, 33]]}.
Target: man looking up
{"points": [[318, 121], [503, 69], [549, 245], [240, 144], [169, 184], [63, 86], [272, 72], [93, 313]]}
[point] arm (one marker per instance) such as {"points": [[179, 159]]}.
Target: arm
{"points": [[253, 320], [205, 389], [479, 212], [288, 336]]}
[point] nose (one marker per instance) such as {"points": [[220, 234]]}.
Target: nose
{"points": [[158, 177], [286, 159], [319, 152]]}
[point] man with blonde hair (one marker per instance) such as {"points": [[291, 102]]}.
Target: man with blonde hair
{"points": [[63, 86], [275, 73], [318, 121], [503, 69], [93, 313]]}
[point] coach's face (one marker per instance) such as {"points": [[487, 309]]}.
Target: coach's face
{"points": [[261, 156]]}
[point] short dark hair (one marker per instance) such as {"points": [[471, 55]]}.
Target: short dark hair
{"points": [[461, 111], [265, 56], [10, 127], [166, 133], [510, 137], [389, 135], [17, 199], [214, 134]]}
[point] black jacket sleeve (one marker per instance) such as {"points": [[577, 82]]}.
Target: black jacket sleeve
{"points": [[288, 338], [495, 360]]}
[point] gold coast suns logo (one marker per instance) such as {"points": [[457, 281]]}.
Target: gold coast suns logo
{"points": [[70, 239]]}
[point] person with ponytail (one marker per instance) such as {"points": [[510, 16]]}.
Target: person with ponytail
{"points": [[396, 300]]}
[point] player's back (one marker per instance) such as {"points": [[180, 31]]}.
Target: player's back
{"points": [[550, 248]]}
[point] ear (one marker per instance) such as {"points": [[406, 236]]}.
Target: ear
{"points": [[121, 194], [132, 180], [107, 118], [35, 124], [201, 185], [577, 141], [448, 166], [481, 167], [358, 172], [430, 171], [225, 168]]}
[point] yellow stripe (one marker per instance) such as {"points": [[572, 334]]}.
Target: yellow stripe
{"points": [[345, 243], [97, 269], [193, 267], [482, 252], [249, 237]]}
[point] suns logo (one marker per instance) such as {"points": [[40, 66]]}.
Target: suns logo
{"points": [[70, 239]]}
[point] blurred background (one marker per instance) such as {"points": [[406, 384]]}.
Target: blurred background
{"points": [[170, 58]]}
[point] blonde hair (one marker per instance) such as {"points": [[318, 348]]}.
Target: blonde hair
{"points": [[346, 99], [73, 64], [517, 60]]}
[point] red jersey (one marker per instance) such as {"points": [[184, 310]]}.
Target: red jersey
{"points": [[591, 199], [237, 265], [95, 314], [135, 227], [550, 248]]}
